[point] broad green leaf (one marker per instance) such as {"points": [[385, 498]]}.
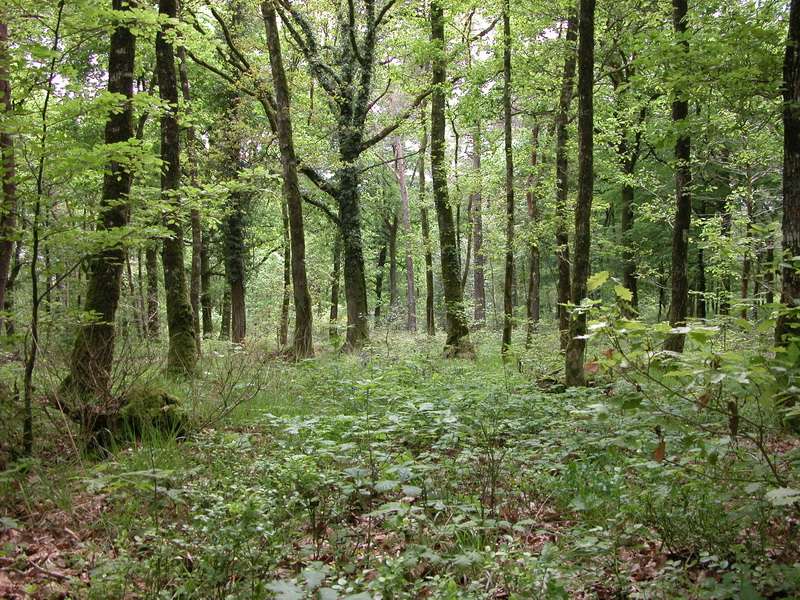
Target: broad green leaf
{"points": [[596, 280]]}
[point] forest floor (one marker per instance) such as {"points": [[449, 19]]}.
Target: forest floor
{"points": [[394, 473]]}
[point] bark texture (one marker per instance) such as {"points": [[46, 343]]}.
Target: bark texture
{"points": [[534, 268], [93, 351], [303, 343], [182, 355], [576, 345], [458, 342], [508, 284], [8, 207]]}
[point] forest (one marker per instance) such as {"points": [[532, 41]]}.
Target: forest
{"points": [[399, 299]]}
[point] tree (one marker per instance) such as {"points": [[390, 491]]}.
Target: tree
{"points": [[8, 207], [430, 325], [93, 350], [303, 344], [534, 268], [508, 284], [458, 342], [683, 199], [583, 209], [182, 354], [562, 237], [790, 292], [400, 173]]}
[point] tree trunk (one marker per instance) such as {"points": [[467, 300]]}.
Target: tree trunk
{"points": [[508, 284], [153, 321], [205, 286], [182, 355], [379, 282], [458, 342], [683, 200], [93, 350], [303, 342], [8, 208], [478, 276], [400, 172], [393, 287], [283, 326], [747, 262], [576, 345], [562, 186], [225, 326], [197, 229], [430, 325], [534, 270], [333, 330], [789, 320]]}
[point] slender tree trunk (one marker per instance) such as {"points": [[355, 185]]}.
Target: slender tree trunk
{"points": [[576, 346], [701, 284], [769, 275], [303, 342], [333, 329], [393, 287], [225, 325], [747, 262], [283, 326], [205, 287], [458, 342], [153, 321], [196, 225], [93, 350], [8, 208], [379, 282], [508, 284], [562, 187], [430, 326], [182, 355], [534, 271], [478, 276], [411, 292], [683, 200], [789, 320]]}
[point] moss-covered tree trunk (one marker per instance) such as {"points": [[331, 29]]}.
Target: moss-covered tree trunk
{"points": [[8, 206], [205, 286], [576, 346], [379, 282], [93, 351], [151, 264], [303, 343], [789, 321], [458, 342], [562, 185], [182, 354], [508, 282], [679, 304]]}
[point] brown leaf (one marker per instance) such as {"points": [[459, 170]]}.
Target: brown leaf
{"points": [[591, 367], [660, 452]]}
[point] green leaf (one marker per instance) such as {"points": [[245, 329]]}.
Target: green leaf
{"points": [[596, 280], [623, 293], [783, 496]]}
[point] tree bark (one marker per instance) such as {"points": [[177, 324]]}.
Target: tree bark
{"points": [[789, 320], [430, 324], [683, 200], [534, 270], [182, 355], [411, 292], [562, 186], [8, 208], [303, 342], [458, 342], [93, 351], [478, 275], [333, 329], [283, 326], [508, 284], [393, 285], [576, 346], [195, 285], [153, 320], [225, 326], [379, 282], [205, 287]]}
